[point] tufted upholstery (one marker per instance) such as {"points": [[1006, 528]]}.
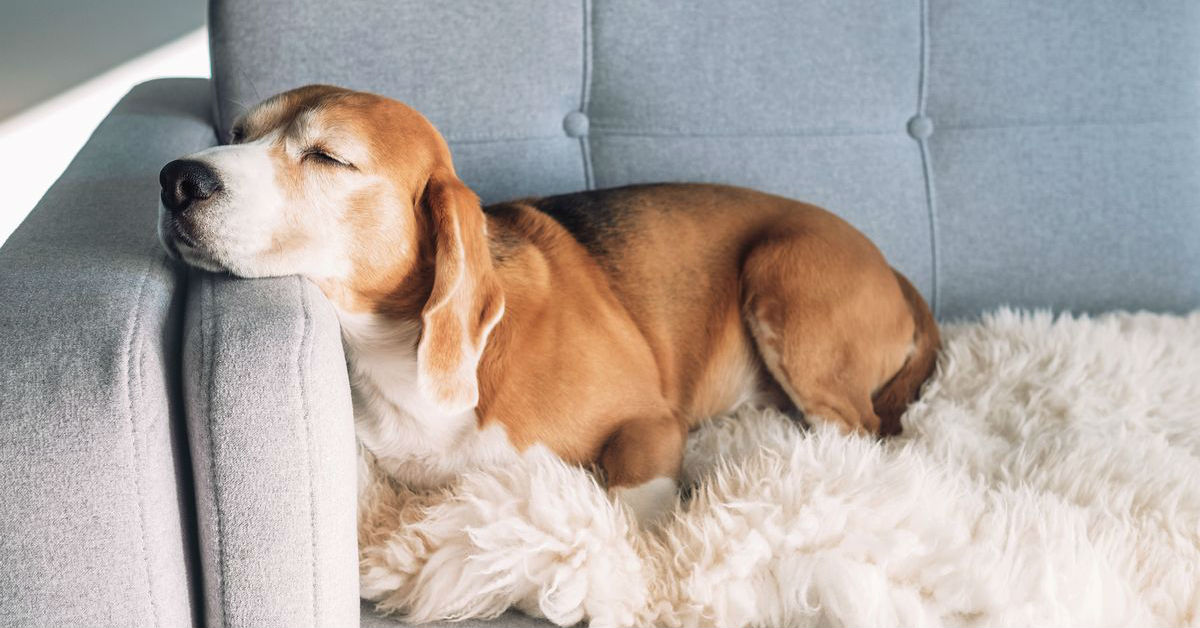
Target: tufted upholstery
{"points": [[1039, 154]]}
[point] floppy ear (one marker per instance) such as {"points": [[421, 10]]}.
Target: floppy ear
{"points": [[466, 301]]}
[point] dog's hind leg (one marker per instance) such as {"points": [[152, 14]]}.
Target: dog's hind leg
{"points": [[830, 324], [641, 461]]}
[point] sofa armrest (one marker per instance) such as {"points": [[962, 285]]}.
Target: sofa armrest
{"points": [[272, 437], [95, 497]]}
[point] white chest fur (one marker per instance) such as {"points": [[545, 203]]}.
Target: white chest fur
{"points": [[412, 440]]}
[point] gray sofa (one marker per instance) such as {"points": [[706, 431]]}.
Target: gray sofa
{"points": [[176, 447]]}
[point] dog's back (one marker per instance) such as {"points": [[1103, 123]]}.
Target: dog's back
{"points": [[689, 262]]}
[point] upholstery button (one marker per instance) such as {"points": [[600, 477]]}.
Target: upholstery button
{"points": [[576, 124], [920, 127]]}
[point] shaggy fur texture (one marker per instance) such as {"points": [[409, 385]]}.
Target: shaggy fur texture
{"points": [[1049, 475]]}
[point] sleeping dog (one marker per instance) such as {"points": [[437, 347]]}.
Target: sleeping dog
{"points": [[602, 325]]}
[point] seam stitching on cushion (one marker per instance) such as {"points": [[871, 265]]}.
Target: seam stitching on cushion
{"points": [[130, 352], [926, 167], [585, 98], [667, 132], [193, 554], [491, 139], [923, 68], [206, 344], [1065, 124], [602, 129], [304, 356], [935, 297]]}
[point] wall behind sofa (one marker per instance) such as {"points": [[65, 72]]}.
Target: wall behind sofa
{"points": [[64, 64], [49, 46]]}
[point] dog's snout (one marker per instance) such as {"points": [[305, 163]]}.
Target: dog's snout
{"points": [[185, 181]]}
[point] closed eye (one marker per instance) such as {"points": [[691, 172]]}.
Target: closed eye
{"points": [[319, 155]]}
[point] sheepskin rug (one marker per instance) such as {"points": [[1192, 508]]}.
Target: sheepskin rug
{"points": [[1049, 475]]}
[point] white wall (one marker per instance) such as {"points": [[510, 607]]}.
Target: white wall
{"points": [[50, 46], [37, 144]]}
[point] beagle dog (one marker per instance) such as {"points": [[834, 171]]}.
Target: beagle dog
{"points": [[602, 325]]}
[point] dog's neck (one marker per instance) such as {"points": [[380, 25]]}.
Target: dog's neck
{"points": [[381, 353], [409, 436], [381, 320]]}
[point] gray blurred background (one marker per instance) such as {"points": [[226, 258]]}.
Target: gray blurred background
{"points": [[49, 46]]}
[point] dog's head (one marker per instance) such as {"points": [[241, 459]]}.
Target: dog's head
{"points": [[358, 193]]}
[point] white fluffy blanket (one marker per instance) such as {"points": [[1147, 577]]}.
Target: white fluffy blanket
{"points": [[1049, 475]]}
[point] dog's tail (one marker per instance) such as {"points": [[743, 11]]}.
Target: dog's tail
{"points": [[894, 397]]}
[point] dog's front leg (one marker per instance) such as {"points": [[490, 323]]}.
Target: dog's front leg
{"points": [[641, 461]]}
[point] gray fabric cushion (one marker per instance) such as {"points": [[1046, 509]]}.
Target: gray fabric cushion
{"points": [[95, 499], [1053, 161], [272, 440], [1066, 155], [510, 619]]}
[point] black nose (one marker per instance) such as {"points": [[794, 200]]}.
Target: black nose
{"points": [[185, 181]]}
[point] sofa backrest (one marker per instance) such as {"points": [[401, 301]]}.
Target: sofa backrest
{"points": [[1039, 154]]}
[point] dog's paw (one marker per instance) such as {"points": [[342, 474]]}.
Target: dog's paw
{"points": [[649, 502]]}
